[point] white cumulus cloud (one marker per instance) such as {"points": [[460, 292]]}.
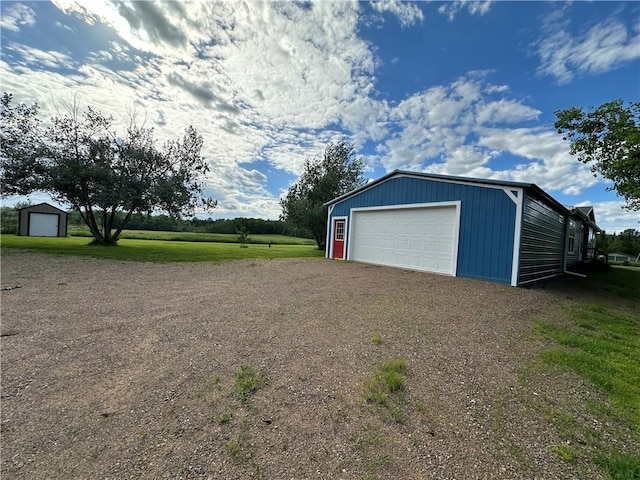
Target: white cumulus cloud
{"points": [[408, 13], [474, 7], [600, 48], [17, 16]]}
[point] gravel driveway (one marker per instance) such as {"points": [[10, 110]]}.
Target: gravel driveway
{"points": [[126, 370]]}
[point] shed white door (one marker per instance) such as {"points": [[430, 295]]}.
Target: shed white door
{"points": [[416, 238], [43, 224]]}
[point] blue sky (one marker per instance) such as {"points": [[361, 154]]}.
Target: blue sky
{"points": [[462, 88]]}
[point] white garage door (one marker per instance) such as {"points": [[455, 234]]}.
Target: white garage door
{"points": [[415, 238], [43, 225]]}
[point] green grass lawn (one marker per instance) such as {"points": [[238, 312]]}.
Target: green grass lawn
{"points": [[158, 250], [199, 237], [600, 341]]}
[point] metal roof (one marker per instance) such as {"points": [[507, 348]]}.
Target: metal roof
{"points": [[436, 176], [41, 204], [582, 212]]}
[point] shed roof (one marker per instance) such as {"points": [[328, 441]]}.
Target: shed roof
{"points": [[41, 204]]}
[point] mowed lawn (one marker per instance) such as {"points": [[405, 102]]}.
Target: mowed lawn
{"points": [[199, 237], [159, 250]]}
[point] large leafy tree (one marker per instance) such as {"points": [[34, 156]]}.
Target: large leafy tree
{"points": [[336, 173], [80, 161], [608, 139]]}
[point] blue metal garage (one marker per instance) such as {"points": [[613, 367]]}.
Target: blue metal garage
{"points": [[507, 232]]}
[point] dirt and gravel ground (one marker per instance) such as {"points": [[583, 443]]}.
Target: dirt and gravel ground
{"points": [[126, 370]]}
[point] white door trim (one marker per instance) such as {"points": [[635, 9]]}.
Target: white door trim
{"points": [[328, 236], [517, 235]]}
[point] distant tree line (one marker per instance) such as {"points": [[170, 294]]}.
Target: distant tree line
{"points": [[9, 217], [165, 223], [626, 242]]}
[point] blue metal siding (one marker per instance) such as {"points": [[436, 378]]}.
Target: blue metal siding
{"points": [[542, 241], [487, 220]]}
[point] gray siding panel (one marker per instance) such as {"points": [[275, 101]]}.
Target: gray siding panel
{"points": [[575, 256], [542, 241]]}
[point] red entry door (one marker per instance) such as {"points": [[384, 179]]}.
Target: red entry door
{"points": [[338, 239]]}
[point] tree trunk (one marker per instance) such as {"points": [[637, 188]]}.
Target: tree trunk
{"points": [[89, 219], [321, 241], [116, 236]]}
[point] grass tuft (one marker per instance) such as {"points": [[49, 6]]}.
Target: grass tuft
{"points": [[239, 448], [248, 381], [386, 388], [224, 418], [563, 451]]}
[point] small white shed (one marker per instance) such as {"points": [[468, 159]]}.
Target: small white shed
{"points": [[42, 220]]}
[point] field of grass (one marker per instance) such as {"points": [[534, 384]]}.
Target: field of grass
{"points": [[621, 282], [199, 237], [158, 250], [600, 341], [626, 264]]}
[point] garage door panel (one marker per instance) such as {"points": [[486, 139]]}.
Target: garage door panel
{"points": [[417, 238], [43, 225]]}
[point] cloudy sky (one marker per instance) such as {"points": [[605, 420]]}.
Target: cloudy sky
{"points": [[463, 88]]}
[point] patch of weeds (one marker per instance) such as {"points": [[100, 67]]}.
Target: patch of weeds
{"points": [[619, 466], [565, 421], [379, 462], [210, 390], [399, 366], [369, 438], [394, 381], [519, 454], [371, 444], [248, 381], [376, 339], [563, 451], [376, 393], [239, 448], [421, 406], [398, 415], [386, 388], [224, 418]]}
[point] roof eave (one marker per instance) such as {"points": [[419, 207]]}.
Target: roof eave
{"points": [[435, 176]]}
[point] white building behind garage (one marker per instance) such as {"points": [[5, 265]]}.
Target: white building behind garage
{"points": [[42, 220]]}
